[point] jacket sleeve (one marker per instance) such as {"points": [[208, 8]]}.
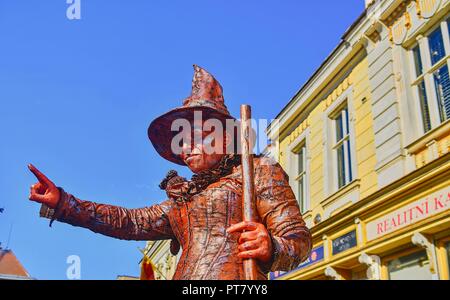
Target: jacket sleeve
{"points": [[280, 213], [149, 223]]}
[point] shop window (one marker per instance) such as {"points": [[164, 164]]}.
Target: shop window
{"points": [[415, 266], [431, 76]]}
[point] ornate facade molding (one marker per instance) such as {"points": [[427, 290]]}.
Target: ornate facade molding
{"points": [[374, 265], [422, 241], [427, 8], [332, 273]]}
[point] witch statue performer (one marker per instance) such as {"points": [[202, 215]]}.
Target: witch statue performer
{"points": [[202, 216]]}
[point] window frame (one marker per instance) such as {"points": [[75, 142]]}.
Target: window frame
{"points": [[300, 178], [330, 163], [427, 76], [443, 258], [407, 252], [344, 144], [302, 141]]}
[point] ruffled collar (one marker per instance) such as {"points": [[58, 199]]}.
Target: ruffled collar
{"points": [[181, 190]]}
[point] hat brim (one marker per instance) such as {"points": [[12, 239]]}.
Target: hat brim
{"points": [[161, 135]]}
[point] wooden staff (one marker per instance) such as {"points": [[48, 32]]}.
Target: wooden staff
{"points": [[248, 183]]}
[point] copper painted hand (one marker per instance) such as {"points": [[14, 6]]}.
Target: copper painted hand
{"points": [[254, 242], [45, 191]]}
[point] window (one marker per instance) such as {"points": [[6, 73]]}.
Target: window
{"points": [[298, 169], [424, 107], [300, 179], [432, 82], [442, 85], [418, 61], [341, 148], [436, 44], [415, 266]]}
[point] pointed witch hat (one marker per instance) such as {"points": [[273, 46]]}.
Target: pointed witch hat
{"points": [[206, 97]]}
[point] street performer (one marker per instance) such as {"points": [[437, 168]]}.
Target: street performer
{"points": [[203, 215]]}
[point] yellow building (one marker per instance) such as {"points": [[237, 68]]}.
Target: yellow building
{"points": [[366, 144], [164, 262]]}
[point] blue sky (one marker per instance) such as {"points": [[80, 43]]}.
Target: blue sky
{"points": [[77, 97]]}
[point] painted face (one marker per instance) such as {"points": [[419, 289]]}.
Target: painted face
{"points": [[203, 150]]}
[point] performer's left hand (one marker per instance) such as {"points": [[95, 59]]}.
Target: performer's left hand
{"points": [[254, 242]]}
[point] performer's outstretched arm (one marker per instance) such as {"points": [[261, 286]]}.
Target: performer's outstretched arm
{"points": [[150, 223]]}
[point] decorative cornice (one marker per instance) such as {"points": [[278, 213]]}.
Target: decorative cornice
{"points": [[400, 21], [299, 130], [397, 13], [341, 88]]}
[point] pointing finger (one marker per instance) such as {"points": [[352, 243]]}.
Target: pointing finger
{"points": [[41, 177]]}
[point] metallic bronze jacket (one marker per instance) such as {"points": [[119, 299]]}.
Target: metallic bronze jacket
{"points": [[200, 225]]}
